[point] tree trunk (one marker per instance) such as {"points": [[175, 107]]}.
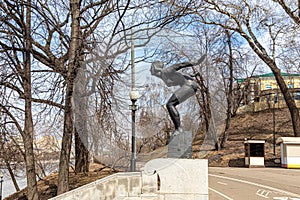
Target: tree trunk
{"points": [[228, 92], [81, 131], [63, 176], [81, 120], [81, 155], [32, 192], [289, 101]]}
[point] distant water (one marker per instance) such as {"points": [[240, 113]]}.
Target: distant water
{"points": [[8, 187]]}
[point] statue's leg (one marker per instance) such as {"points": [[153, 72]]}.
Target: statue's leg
{"points": [[173, 101], [180, 95], [185, 92]]}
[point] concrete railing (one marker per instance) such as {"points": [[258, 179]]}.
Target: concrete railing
{"points": [[119, 185], [160, 179]]}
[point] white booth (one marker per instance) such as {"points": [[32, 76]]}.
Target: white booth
{"points": [[254, 153], [290, 152]]}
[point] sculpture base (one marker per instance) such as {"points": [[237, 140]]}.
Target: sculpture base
{"points": [[180, 146], [176, 179]]}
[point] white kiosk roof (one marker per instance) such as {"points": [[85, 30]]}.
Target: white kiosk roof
{"points": [[289, 140], [254, 141]]}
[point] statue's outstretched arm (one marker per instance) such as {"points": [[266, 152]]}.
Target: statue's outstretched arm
{"points": [[179, 66], [188, 64]]}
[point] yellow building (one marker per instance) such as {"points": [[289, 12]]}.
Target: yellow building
{"points": [[262, 92]]}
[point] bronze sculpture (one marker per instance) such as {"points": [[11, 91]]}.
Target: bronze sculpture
{"points": [[173, 77]]}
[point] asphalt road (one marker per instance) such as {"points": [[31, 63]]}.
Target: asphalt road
{"points": [[254, 183]]}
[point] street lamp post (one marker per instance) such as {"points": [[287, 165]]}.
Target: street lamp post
{"points": [[274, 127], [273, 116], [133, 107], [134, 95], [1, 181]]}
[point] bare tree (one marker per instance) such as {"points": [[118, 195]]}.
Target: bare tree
{"points": [[32, 191], [292, 9], [228, 85], [10, 153], [20, 39], [241, 21], [86, 43]]}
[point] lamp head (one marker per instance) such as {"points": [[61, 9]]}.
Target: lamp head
{"points": [[134, 94]]}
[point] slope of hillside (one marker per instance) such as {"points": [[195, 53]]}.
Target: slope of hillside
{"points": [[258, 126]]}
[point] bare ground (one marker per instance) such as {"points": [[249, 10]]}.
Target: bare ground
{"points": [[258, 126]]}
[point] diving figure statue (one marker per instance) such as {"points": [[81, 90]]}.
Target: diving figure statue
{"points": [[171, 76]]}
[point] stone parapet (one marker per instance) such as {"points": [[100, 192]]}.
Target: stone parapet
{"points": [[160, 179]]}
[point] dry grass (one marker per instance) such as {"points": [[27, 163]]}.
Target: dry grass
{"points": [[48, 186], [258, 126]]}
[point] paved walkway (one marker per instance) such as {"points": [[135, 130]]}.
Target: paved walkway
{"points": [[254, 183]]}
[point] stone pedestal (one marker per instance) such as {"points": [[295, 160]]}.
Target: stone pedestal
{"points": [[185, 179], [180, 146]]}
